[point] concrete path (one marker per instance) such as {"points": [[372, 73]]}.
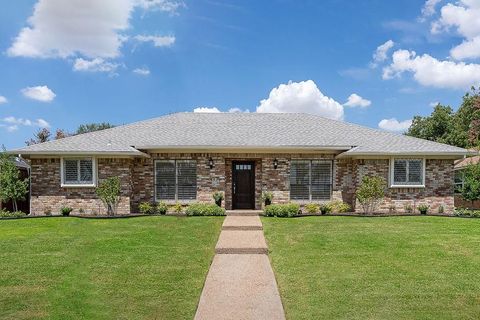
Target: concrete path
{"points": [[240, 283]]}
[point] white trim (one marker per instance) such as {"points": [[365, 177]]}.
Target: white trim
{"points": [[83, 185], [391, 173]]}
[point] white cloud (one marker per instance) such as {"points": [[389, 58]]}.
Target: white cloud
{"points": [[434, 104], [142, 71], [12, 123], [393, 124], [354, 100], [380, 54], [206, 109], [39, 93], [429, 8], [158, 41], [94, 65], [429, 71], [464, 18], [238, 110], [90, 28], [3, 100], [303, 97]]}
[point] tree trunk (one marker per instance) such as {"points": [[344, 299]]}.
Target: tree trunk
{"points": [[14, 205]]}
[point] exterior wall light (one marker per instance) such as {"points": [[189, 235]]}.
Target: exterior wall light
{"points": [[210, 163], [275, 163]]}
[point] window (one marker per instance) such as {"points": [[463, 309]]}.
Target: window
{"points": [[175, 180], [458, 181], [78, 172], [310, 180], [407, 172]]}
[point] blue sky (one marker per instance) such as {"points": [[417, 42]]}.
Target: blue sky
{"points": [[64, 63]]}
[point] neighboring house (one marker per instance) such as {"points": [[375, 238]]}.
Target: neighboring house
{"points": [[459, 168], [185, 157], [23, 206]]}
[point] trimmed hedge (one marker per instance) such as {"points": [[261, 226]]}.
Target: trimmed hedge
{"points": [[282, 210], [204, 209]]}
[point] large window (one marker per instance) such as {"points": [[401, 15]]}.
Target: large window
{"points": [[459, 181], [310, 180], [78, 172], [175, 180], [407, 172]]}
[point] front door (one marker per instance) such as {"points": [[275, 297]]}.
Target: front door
{"points": [[243, 188]]}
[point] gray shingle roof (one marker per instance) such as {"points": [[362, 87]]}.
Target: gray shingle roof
{"points": [[241, 130]]}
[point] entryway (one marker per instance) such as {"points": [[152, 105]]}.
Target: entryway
{"points": [[243, 185]]}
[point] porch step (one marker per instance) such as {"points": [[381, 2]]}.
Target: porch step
{"points": [[244, 212], [241, 242], [242, 223]]}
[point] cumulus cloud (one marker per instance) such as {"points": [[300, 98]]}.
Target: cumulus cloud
{"points": [[429, 8], [39, 93], [432, 72], [142, 71], [354, 100], [393, 124], [380, 54], [434, 104], [464, 18], [302, 96], [238, 110], [88, 28], [207, 110], [3, 100], [12, 124], [158, 41], [94, 65]]}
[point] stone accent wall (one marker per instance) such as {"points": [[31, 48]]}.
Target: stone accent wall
{"points": [[48, 195], [138, 185]]}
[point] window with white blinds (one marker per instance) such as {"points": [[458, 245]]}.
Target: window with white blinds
{"points": [[175, 179], [78, 172], [408, 172], [310, 180]]}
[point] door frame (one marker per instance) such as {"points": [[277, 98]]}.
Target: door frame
{"points": [[252, 173]]}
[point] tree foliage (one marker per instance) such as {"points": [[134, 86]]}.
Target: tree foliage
{"points": [[460, 128], [11, 186], [371, 193], [42, 135], [471, 182], [109, 193], [90, 127]]}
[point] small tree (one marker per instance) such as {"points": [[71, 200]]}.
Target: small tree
{"points": [[11, 186], [370, 193], [471, 183], [109, 193], [42, 135]]}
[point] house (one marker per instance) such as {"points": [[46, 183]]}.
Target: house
{"points": [[185, 157], [459, 167]]}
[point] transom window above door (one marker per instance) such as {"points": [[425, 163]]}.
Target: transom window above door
{"points": [[175, 180], [243, 167]]}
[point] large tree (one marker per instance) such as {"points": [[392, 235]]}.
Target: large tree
{"points": [[12, 187], [90, 127]]}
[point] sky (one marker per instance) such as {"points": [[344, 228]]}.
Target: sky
{"points": [[373, 62]]}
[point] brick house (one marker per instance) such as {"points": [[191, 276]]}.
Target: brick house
{"points": [[185, 157]]}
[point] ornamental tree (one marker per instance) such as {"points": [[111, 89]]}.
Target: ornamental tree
{"points": [[109, 193], [371, 193], [12, 187]]}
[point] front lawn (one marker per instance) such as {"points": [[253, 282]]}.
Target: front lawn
{"points": [[376, 268], [136, 268]]}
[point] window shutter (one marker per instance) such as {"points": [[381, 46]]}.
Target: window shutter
{"points": [[415, 168], [70, 171], [300, 180], [86, 171], [321, 180], [187, 179], [400, 171], [165, 180]]}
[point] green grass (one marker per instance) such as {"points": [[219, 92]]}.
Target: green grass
{"points": [[376, 268], [138, 268]]}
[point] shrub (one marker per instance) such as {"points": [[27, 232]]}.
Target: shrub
{"points": [[441, 209], [161, 208], [408, 208], [65, 211], [392, 208], [471, 183], [423, 208], [47, 211], [339, 206], [109, 193], [218, 197], [204, 209], [81, 211], [7, 214], [146, 208], [312, 207], [370, 193], [282, 210], [177, 207], [325, 208], [267, 197], [467, 213]]}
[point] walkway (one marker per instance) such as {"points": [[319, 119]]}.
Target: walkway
{"points": [[240, 283]]}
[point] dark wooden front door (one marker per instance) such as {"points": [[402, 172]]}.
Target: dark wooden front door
{"points": [[243, 177]]}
